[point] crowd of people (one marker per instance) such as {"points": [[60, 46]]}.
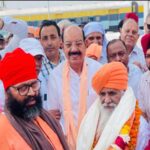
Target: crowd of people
{"points": [[67, 87]]}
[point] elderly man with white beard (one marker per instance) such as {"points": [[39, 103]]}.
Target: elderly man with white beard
{"points": [[112, 122]]}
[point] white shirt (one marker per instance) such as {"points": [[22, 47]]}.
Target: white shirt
{"points": [[55, 88], [43, 91], [2, 95], [144, 93], [144, 103], [134, 77], [137, 55], [19, 30]]}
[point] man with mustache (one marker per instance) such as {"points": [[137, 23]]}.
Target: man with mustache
{"points": [[95, 33], [24, 124], [70, 83], [144, 96], [117, 51], [112, 121]]}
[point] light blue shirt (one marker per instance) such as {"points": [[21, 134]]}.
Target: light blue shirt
{"points": [[137, 55], [134, 77]]}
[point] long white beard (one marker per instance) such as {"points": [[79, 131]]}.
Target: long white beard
{"points": [[104, 116]]}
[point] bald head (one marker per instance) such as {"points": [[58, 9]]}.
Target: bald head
{"points": [[129, 33], [130, 21], [74, 46], [73, 29]]}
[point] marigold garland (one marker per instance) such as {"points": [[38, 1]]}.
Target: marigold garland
{"points": [[135, 128], [127, 138]]}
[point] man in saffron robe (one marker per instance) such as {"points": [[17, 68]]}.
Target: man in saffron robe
{"points": [[110, 120], [24, 124]]}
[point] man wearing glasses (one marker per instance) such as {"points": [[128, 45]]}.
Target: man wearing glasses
{"points": [[24, 123]]}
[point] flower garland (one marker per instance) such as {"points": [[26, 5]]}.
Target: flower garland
{"points": [[128, 135]]}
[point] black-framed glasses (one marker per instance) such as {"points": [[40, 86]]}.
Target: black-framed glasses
{"points": [[24, 89]]}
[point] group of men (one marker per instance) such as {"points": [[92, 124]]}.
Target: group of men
{"points": [[60, 99]]}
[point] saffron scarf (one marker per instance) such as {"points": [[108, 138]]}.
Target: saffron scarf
{"points": [[71, 129], [33, 135], [120, 115]]}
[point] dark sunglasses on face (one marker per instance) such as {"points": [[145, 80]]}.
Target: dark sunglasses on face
{"points": [[148, 26], [147, 56]]}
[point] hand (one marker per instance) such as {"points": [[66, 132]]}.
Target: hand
{"points": [[142, 67], [138, 64], [55, 113]]}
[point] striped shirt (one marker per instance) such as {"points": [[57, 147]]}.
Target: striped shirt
{"points": [[48, 66]]}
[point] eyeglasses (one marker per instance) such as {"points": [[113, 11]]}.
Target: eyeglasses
{"points": [[24, 89]]}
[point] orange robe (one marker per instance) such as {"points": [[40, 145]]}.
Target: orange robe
{"points": [[10, 139]]}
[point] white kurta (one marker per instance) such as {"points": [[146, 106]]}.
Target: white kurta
{"points": [[144, 103], [134, 77], [2, 96], [55, 88]]}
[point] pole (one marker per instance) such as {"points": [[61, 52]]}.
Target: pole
{"points": [[48, 11]]}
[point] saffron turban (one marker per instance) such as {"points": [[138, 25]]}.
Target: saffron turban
{"points": [[145, 42], [94, 50], [31, 30], [36, 33], [113, 75], [17, 67]]}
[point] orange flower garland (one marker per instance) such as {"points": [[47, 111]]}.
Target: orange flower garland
{"points": [[127, 138], [135, 128]]}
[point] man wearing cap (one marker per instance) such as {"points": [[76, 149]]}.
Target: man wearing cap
{"points": [[117, 51], [19, 30], [144, 97], [34, 47], [112, 121], [95, 33], [129, 34], [24, 123], [70, 83]]}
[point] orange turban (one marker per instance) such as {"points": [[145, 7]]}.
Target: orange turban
{"points": [[94, 50], [31, 29], [17, 67], [36, 33], [112, 75]]}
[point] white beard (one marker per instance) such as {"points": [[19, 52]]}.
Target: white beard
{"points": [[105, 113]]}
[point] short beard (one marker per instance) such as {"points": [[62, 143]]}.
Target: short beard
{"points": [[20, 108]]}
